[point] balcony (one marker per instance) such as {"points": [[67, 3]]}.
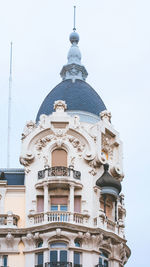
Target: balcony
{"points": [[58, 264], [62, 175], [9, 220], [58, 216], [59, 171]]}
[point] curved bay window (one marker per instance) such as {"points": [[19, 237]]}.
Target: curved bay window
{"points": [[103, 259], [59, 158], [58, 255]]}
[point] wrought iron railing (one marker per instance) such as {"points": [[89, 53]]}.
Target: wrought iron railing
{"points": [[58, 264], [59, 171]]}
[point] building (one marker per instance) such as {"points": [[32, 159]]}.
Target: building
{"points": [[65, 207]]}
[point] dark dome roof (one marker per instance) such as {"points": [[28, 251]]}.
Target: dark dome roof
{"points": [[78, 95], [106, 180]]}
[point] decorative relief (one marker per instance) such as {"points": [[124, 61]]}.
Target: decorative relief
{"points": [[123, 254], [27, 159], [105, 116], [60, 106], [30, 126], [76, 143], [107, 145]]}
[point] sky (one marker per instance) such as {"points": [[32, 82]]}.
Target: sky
{"points": [[115, 47]]}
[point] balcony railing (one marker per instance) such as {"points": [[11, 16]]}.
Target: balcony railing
{"points": [[9, 220], [58, 216], [59, 171], [58, 264]]}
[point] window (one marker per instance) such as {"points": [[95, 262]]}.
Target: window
{"points": [[39, 244], [77, 259], [77, 254], [59, 158], [5, 260], [59, 203], [39, 259], [103, 259], [58, 253]]}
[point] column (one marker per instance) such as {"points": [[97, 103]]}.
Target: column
{"points": [[45, 201], [71, 202]]}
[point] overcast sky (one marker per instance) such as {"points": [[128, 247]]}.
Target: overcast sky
{"points": [[115, 47]]}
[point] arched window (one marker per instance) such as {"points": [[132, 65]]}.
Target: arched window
{"points": [[58, 253], [39, 244], [103, 259], [59, 158]]}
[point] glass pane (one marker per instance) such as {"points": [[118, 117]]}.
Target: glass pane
{"points": [[5, 260], [58, 245], [105, 263], [76, 258], [63, 256], [100, 260], [39, 244], [77, 244], [53, 256], [54, 207], [40, 258], [63, 207]]}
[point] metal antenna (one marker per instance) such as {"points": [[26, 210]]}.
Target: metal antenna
{"points": [[74, 22], [9, 108]]}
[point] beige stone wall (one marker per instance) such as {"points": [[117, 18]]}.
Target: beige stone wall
{"points": [[15, 202], [17, 260]]}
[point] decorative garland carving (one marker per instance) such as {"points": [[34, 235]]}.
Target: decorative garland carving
{"points": [[30, 126]]}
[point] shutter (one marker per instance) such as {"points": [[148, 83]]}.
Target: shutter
{"points": [[63, 256], [59, 158], [77, 204], [63, 200], [53, 256], [40, 203]]}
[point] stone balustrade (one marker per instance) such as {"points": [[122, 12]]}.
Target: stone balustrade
{"points": [[9, 220], [58, 216]]}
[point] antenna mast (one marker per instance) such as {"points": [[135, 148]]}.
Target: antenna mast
{"points": [[74, 22], [9, 108]]}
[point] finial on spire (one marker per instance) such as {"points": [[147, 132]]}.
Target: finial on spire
{"points": [[74, 69], [74, 25]]}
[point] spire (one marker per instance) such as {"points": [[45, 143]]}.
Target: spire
{"points": [[74, 69]]}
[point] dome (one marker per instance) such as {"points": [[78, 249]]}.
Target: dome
{"points": [[78, 95], [108, 184]]}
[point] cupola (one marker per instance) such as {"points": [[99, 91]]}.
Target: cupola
{"points": [[108, 184]]}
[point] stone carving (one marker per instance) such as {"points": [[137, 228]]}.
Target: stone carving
{"points": [[123, 254], [107, 145], [60, 106], [43, 142], [9, 238], [105, 116], [30, 126], [27, 160], [58, 232], [76, 143], [42, 121], [76, 121]]}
